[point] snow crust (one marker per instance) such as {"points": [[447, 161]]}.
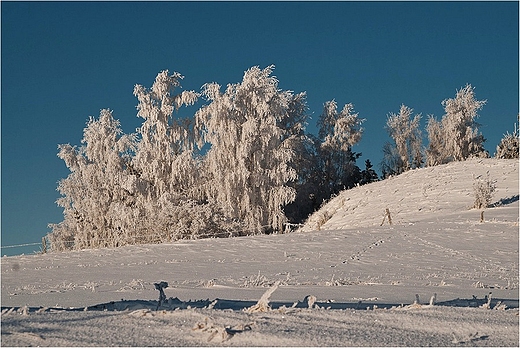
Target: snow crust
{"points": [[343, 279]]}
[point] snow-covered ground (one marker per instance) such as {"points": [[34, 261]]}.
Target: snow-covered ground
{"points": [[364, 277]]}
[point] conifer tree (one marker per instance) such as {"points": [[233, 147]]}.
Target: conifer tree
{"points": [[368, 175]]}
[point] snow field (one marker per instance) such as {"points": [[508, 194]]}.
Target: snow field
{"points": [[366, 274], [438, 326]]}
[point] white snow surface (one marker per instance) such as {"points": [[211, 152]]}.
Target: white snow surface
{"points": [[360, 278]]}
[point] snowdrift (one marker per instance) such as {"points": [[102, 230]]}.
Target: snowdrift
{"points": [[436, 276]]}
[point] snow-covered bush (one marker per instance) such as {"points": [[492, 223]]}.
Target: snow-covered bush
{"points": [[508, 146], [483, 189], [456, 137], [93, 187]]}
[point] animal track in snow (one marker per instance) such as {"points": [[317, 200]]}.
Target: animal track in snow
{"points": [[357, 255]]}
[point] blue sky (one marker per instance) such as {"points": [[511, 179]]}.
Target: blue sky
{"points": [[65, 61]]}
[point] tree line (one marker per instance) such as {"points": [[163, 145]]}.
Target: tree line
{"points": [[242, 164]]}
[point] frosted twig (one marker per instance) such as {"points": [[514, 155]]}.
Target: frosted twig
{"points": [[311, 300], [487, 305], [263, 304], [433, 299], [385, 216]]}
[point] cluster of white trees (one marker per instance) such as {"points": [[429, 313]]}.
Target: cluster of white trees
{"points": [[242, 164], [455, 137]]}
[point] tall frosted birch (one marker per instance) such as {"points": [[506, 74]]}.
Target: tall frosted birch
{"points": [[248, 162], [456, 136]]}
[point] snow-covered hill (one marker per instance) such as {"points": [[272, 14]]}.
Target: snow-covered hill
{"points": [[440, 193], [436, 247]]}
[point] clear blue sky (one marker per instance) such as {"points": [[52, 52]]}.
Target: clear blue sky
{"points": [[65, 61]]}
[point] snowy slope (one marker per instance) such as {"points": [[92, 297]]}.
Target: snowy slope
{"points": [[438, 193], [342, 256]]}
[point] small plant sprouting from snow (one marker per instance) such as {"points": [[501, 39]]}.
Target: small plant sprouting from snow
{"points": [[322, 218], [135, 284], [483, 188], [260, 280]]}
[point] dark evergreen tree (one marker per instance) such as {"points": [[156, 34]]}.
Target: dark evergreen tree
{"points": [[368, 175]]}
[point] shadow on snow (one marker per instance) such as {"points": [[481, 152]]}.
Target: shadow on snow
{"points": [[238, 305], [505, 201]]}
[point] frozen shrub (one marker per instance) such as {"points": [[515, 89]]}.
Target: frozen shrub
{"points": [[508, 146], [323, 217], [483, 188]]}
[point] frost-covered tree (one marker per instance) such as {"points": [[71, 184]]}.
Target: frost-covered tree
{"points": [[248, 163], [94, 188], [405, 132], [232, 169], [164, 150], [143, 188], [338, 132], [456, 137], [304, 161], [167, 176], [508, 146], [436, 150], [483, 189]]}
